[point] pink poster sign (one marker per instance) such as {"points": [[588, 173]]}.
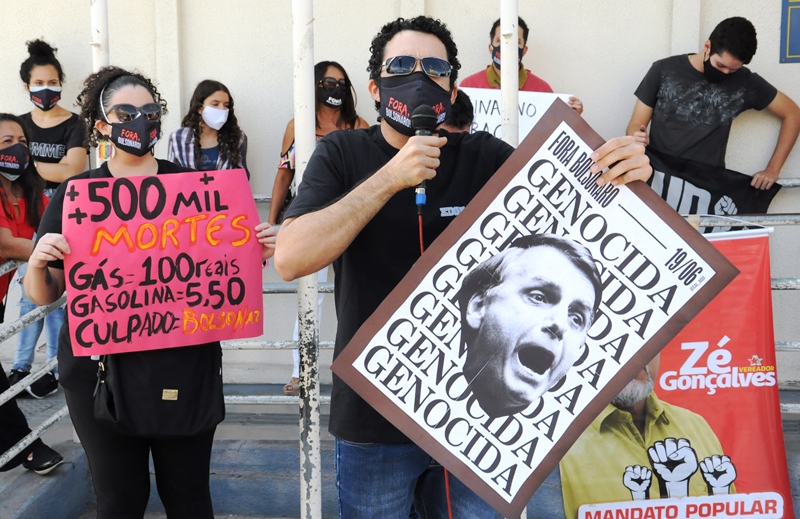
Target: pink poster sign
{"points": [[162, 261]]}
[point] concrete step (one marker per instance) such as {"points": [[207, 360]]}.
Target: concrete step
{"points": [[255, 469], [249, 479]]}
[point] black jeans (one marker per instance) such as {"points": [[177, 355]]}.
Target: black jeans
{"points": [[13, 426], [120, 470]]}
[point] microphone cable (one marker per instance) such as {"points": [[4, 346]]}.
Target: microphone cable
{"points": [[423, 121]]}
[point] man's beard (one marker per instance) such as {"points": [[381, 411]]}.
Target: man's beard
{"points": [[634, 392]]}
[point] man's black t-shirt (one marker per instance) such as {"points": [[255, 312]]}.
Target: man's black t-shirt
{"points": [[51, 144], [387, 247], [80, 373], [692, 117]]}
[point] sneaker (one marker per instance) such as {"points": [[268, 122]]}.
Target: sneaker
{"points": [[47, 385], [42, 459], [16, 375]]}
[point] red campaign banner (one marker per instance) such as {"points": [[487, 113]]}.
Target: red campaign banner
{"points": [[717, 384], [161, 261]]}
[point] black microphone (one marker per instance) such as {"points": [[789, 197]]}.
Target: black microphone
{"points": [[423, 121]]}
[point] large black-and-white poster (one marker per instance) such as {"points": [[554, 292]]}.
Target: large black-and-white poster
{"points": [[529, 313]]}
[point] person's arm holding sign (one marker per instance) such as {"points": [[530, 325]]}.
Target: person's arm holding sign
{"points": [[314, 240], [789, 113], [637, 127], [267, 234], [42, 283]]}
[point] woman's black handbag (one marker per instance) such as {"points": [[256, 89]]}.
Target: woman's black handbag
{"points": [[168, 393]]}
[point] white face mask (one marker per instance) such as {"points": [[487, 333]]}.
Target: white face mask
{"points": [[214, 117]]}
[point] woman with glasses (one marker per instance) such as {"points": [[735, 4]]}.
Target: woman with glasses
{"points": [[57, 152], [335, 107], [125, 108], [210, 138], [335, 110]]}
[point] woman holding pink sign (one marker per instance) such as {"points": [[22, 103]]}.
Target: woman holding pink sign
{"points": [[176, 426]]}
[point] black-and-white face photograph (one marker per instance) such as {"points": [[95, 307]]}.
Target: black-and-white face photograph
{"points": [[525, 315]]}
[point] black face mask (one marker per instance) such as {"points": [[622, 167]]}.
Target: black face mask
{"points": [[136, 137], [14, 160], [713, 74], [496, 56], [46, 98], [333, 98], [401, 95]]}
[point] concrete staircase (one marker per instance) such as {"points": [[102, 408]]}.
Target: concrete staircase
{"points": [[255, 467]]}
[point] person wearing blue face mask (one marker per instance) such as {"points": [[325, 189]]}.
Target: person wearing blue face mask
{"points": [[58, 153], [210, 138], [356, 208]]}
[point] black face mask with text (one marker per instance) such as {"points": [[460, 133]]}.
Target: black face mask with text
{"points": [[333, 98], [136, 137], [13, 160], [496, 55], [401, 95], [45, 98]]}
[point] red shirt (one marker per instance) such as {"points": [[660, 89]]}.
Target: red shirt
{"points": [[532, 84], [20, 228]]}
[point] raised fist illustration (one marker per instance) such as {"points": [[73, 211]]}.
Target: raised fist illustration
{"points": [[674, 461], [637, 479], [719, 473]]}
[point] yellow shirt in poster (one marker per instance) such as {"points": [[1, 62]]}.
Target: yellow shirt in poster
{"points": [[594, 468]]}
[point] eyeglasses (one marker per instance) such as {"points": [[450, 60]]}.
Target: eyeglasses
{"points": [[329, 83], [403, 65], [127, 112]]}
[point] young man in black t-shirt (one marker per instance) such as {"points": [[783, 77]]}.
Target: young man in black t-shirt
{"points": [[356, 208], [691, 100]]}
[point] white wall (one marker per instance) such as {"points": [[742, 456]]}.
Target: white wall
{"points": [[599, 51]]}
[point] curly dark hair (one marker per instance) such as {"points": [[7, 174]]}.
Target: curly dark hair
{"points": [[520, 22], [107, 81], [424, 24], [347, 112], [461, 113], [29, 181], [737, 36], [40, 53], [228, 136]]}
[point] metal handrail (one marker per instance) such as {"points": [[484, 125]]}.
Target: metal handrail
{"points": [[270, 399], [7, 266], [761, 220], [33, 435], [14, 327], [20, 386], [245, 344]]}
